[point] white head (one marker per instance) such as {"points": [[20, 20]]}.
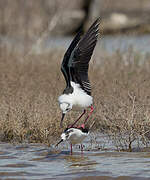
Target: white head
{"points": [[65, 135], [65, 107]]}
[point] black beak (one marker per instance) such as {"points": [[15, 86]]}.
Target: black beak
{"points": [[61, 123], [59, 142]]}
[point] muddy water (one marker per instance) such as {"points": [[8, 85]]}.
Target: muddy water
{"points": [[37, 161]]}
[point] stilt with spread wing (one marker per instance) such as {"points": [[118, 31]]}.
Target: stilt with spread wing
{"points": [[77, 94]]}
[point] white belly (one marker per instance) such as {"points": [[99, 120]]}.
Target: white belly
{"points": [[77, 137], [76, 140], [77, 108]]}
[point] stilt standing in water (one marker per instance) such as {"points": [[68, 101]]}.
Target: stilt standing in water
{"points": [[74, 136]]}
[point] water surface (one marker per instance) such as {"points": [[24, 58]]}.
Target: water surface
{"points": [[108, 43], [37, 161]]}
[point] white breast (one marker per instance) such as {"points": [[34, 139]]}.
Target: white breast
{"points": [[76, 136], [79, 99]]}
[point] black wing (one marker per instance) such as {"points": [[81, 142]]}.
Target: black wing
{"points": [[64, 65], [81, 55]]}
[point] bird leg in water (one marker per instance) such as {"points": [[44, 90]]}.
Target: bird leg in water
{"points": [[91, 111], [81, 148], [71, 149], [78, 119]]}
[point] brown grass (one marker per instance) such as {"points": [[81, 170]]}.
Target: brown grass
{"points": [[122, 98], [29, 111]]}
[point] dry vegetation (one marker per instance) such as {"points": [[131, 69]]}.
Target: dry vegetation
{"points": [[30, 86], [122, 98]]}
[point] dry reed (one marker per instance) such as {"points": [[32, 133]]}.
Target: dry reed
{"points": [[29, 111]]}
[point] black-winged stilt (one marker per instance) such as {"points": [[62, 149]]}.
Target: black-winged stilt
{"points": [[77, 94], [74, 136]]}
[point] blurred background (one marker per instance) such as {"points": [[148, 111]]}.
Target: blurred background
{"points": [[29, 23]]}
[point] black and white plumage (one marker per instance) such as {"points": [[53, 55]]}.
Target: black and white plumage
{"points": [[77, 94], [74, 136]]}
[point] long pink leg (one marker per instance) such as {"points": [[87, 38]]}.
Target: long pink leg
{"points": [[91, 111], [71, 149], [78, 118], [81, 149]]}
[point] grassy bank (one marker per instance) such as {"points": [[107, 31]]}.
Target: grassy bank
{"points": [[30, 86]]}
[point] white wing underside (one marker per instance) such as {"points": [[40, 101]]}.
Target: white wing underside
{"points": [[79, 99]]}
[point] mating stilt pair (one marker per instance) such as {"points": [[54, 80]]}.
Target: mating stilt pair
{"points": [[78, 89]]}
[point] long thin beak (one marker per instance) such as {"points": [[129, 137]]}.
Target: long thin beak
{"points": [[61, 122], [59, 142]]}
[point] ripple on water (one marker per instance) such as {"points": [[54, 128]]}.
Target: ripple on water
{"points": [[2, 153], [41, 162], [20, 173], [19, 165], [7, 157]]}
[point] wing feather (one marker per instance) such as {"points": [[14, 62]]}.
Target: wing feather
{"points": [[81, 55], [64, 65]]}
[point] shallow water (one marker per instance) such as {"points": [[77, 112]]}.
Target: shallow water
{"points": [[37, 161], [108, 44]]}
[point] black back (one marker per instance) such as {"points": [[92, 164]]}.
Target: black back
{"points": [[68, 130], [84, 130]]}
